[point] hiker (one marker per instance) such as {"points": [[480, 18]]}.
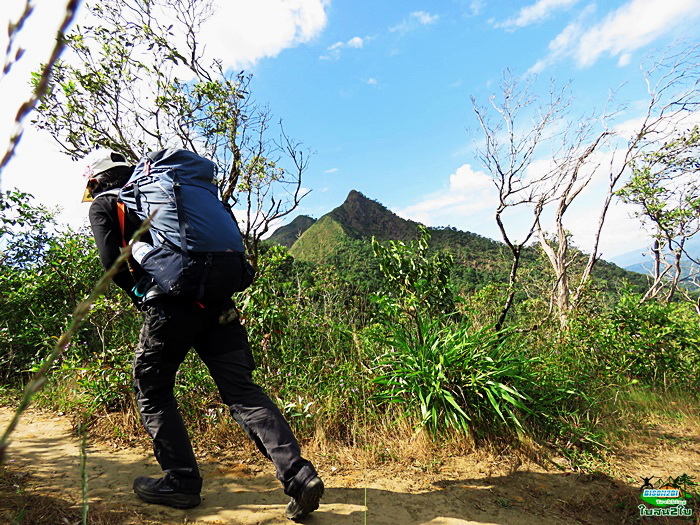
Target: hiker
{"points": [[174, 323]]}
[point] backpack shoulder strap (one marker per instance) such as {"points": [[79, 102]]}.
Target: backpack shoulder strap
{"points": [[121, 214], [180, 216]]}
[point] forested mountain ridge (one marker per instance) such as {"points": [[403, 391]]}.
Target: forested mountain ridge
{"points": [[347, 229], [362, 217], [357, 218], [288, 234]]}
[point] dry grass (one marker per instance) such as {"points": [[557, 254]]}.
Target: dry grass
{"points": [[117, 428], [640, 410], [21, 503], [388, 442]]}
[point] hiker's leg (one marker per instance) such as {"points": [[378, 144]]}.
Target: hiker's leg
{"points": [[166, 337], [226, 352]]}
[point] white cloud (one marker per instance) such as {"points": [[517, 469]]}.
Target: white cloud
{"points": [[562, 44], [469, 193], [624, 59], [667, 128], [334, 50], [240, 33], [623, 31], [466, 180], [566, 38], [617, 34], [55, 180], [424, 18], [470, 198], [540, 10], [414, 21], [332, 170], [37, 38], [475, 7], [621, 231], [243, 32], [372, 81], [355, 42]]}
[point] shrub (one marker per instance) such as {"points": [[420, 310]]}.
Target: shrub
{"points": [[652, 342], [476, 381]]}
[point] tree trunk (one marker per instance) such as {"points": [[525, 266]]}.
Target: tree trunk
{"points": [[511, 287]]}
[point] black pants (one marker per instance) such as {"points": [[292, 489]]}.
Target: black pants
{"points": [[170, 329]]}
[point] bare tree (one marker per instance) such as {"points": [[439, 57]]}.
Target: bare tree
{"points": [[509, 151], [576, 156], [138, 80], [572, 174], [673, 82]]}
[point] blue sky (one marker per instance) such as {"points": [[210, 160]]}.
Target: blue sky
{"points": [[380, 91]]}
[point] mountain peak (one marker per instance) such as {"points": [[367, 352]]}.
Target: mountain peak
{"points": [[355, 196], [364, 217]]}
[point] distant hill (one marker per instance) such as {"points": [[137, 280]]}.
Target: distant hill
{"points": [[642, 261], [341, 235], [627, 260], [288, 234], [357, 218], [363, 218]]}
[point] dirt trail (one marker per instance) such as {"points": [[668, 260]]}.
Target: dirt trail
{"points": [[43, 461]]}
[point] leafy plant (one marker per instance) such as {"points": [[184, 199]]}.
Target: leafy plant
{"points": [[415, 280], [652, 342], [455, 378]]}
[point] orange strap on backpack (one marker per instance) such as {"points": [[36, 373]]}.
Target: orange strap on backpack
{"points": [[121, 215]]}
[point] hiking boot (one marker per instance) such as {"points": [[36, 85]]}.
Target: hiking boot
{"points": [[159, 490], [307, 500]]}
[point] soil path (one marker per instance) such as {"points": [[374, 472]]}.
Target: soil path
{"points": [[43, 468]]}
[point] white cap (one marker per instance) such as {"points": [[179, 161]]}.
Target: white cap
{"points": [[101, 160]]}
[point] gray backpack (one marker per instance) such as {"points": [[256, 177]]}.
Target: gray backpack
{"points": [[198, 248]]}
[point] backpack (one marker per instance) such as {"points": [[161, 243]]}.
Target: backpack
{"points": [[198, 248]]}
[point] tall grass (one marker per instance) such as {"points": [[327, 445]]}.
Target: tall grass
{"points": [[474, 380]]}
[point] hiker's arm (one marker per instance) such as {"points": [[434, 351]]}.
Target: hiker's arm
{"points": [[108, 238]]}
